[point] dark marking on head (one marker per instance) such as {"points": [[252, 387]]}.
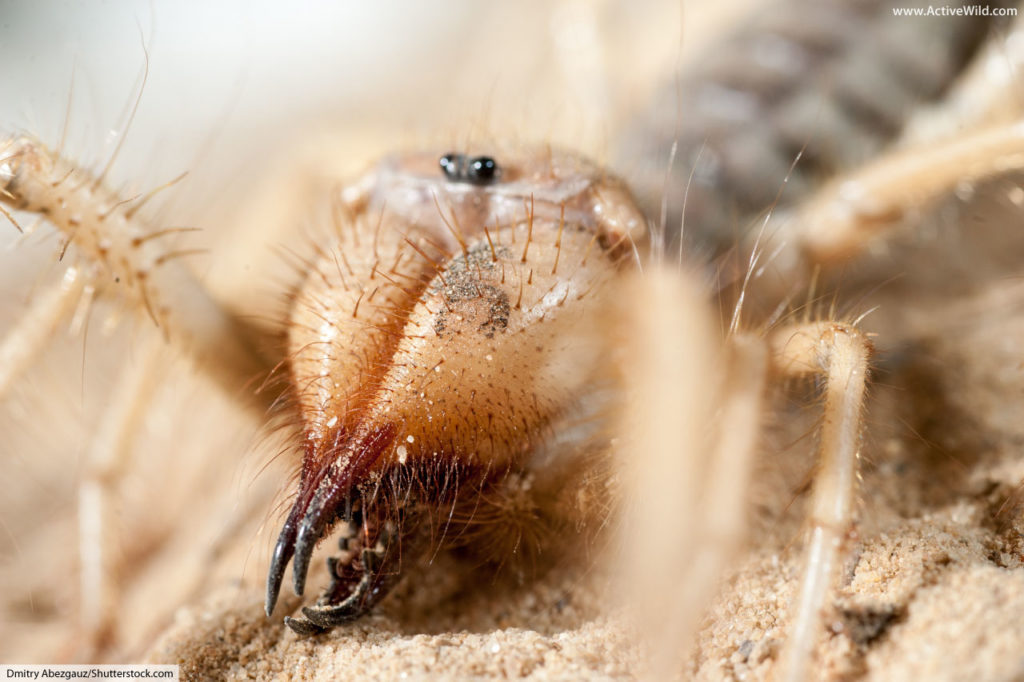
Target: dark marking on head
{"points": [[463, 282]]}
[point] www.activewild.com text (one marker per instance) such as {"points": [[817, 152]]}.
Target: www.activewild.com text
{"points": [[950, 11]]}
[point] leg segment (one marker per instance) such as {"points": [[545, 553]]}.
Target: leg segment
{"points": [[109, 452], [846, 215], [692, 420], [111, 235], [839, 353], [20, 346]]}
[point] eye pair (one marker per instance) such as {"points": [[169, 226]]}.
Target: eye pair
{"points": [[476, 170]]}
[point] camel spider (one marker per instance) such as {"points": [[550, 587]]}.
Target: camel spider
{"points": [[706, 399]]}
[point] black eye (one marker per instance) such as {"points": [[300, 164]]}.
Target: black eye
{"points": [[482, 170], [478, 170], [453, 166]]}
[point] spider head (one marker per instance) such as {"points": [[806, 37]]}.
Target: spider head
{"points": [[434, 344]]}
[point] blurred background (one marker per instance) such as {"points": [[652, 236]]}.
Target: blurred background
{"points": [[234, 85]]}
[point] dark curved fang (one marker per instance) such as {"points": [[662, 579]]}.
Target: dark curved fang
{"points": [[319, 499], [283, 551], [308, 536]]}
